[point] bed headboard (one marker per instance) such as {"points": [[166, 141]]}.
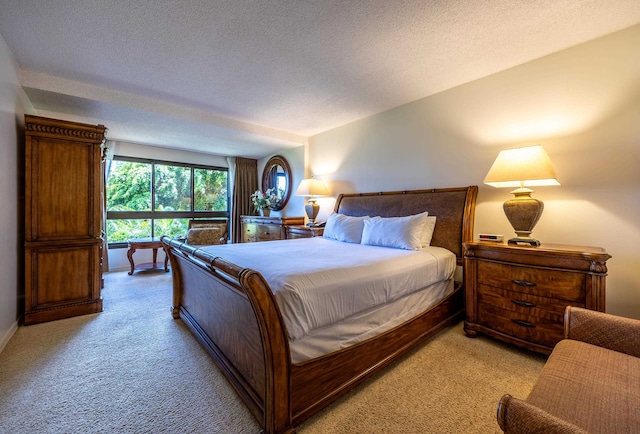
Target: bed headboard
{"points": [[454, 209]]}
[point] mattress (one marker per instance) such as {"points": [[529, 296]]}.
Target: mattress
{"points": [[318, 282], [367, 324]]}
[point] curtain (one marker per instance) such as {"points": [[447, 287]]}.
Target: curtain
{"points": [[108, 151], [273, 177], [245, 183], [231, 175]]}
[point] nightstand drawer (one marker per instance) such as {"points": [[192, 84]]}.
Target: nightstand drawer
{"points": [[268, 232], [521, 315], [545, 330], [299, 231], [550, 308], [531, 280]]}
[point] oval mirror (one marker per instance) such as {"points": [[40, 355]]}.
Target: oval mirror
{"points": [[277, 175]]}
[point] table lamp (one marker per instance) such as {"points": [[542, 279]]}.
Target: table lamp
{"points": [[522, 168], [312, 188]]}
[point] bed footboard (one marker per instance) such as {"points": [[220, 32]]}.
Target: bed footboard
{"points": [[232, 312], [319, 382]]}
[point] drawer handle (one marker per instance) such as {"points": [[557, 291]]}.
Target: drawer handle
{"points": [[523, 283], [523, 323], [523, 303]]}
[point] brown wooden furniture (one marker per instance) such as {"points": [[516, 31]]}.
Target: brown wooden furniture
{"points": [[257, 228], [146, 243], [205, 232], [63, 219], [589, 384], [233, 312], [300, 231], [519, 294]]}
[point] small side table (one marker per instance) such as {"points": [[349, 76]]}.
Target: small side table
{"points": [[146, 243]]}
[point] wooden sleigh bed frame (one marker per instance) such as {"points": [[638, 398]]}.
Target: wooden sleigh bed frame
{"points": [[233, 313]]}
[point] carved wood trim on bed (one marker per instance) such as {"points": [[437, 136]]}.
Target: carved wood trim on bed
{"points": [[233, 313]]}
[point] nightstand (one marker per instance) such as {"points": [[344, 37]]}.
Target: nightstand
{"points": [[300, 231], [519, 294]]}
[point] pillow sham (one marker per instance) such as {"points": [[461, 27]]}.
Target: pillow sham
{"points": [[397, 232], [344, 228], [427, 231]]}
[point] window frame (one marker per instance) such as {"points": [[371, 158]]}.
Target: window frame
{"points": [[162, 215]]}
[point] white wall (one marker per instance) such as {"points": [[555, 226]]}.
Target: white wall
{"points": [[582, 105], [13, 105]]}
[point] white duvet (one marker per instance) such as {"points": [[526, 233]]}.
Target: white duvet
{"points": [[318, 281]]}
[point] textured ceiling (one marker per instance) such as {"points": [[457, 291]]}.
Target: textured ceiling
{"points": [[249, 78]]}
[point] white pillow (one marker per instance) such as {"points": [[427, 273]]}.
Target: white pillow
{"points": [[344, 228], [427, 231], [397, 232]]}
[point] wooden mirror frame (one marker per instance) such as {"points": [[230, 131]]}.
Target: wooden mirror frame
{"points": [[271, 165]]}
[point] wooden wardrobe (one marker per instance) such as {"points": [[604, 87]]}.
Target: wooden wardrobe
{"points": [[63, 212]]}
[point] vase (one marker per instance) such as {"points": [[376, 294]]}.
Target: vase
{"points": [[265, 212]]}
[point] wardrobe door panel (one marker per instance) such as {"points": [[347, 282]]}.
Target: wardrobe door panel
{"points": [[63, 190]]}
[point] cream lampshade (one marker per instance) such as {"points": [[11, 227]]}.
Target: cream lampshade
{"points": [[312, 188], [522, 168]]}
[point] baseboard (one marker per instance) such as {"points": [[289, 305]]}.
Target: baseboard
{"points": [[4, 340], [118, 269]]}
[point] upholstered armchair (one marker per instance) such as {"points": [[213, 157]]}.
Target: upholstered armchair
{"points": [[590, 383], [206, 232]]}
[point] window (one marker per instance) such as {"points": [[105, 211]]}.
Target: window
{"points": [[281, 183], [147, 198]]}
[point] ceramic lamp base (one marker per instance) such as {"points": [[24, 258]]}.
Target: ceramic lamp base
{"points": [[312, 209], [523, 212]]}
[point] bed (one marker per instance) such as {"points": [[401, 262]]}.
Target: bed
{"points": [[235, 313]]}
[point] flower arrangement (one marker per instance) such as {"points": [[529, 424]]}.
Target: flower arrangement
{"points": [[267, 199]]}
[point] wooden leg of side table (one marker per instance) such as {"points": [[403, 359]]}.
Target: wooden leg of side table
{"points": [[166, 261], [130, 256]]}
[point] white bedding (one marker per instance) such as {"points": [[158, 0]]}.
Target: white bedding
{"points": [[368, 323], [318, 282]]}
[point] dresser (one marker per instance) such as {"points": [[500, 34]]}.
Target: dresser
{"points": [[519, 294], [256, 228], [63, 219]]}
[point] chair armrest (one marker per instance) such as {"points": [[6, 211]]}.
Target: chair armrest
{"points": [[604, 330], [519, 417]]}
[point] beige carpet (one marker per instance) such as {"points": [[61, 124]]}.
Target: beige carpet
{"points": [[134, 369]]}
